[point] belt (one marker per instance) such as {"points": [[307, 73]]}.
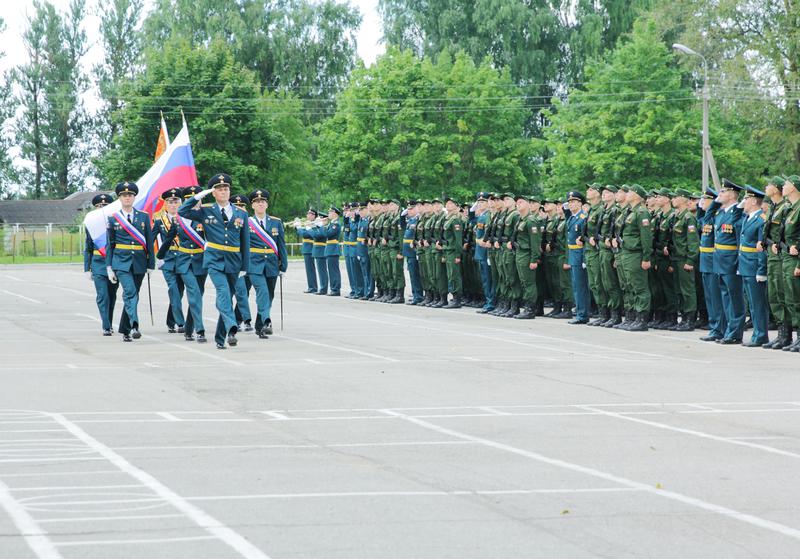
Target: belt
{"points": [[97, 253], [226, 248], [307, 241], [316, 244], [574, 247], [408, 241], [262, 250], [725, 247], [173, 248], [129, 247], [350, 243], [748, 249], [360, 239], [706, 249], [333, 242], [190, 250]]}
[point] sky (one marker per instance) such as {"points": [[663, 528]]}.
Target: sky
{"points": [[14, 13]]}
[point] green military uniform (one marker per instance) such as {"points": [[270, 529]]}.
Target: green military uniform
{"points": [[773, 222], [511, 282], [527, 243], [394, 265], [423, 254], [438, 264], [608, 273], [452, 240], [495, 233], [684, 249], [664, 278], [791, 283], [591, 255], [637, 248], [374, 232]]}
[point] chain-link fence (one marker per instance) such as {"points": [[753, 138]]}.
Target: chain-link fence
{"points": [[42, 241]]}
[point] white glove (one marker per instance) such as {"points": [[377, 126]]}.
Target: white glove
{"points": [[761, 278], [583, 265], [112, 277], [740, 204], [404, 213], [89, 275], [242, 273], [473, 207], [200, 195], [159, 264], [148, 272]]}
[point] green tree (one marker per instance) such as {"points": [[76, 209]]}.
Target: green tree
{"points": [[407, 127], [8, 176], [233, 126]]}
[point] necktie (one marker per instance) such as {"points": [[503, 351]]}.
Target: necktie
{"points": [[130, 218], [225, 215], [261, 221]]}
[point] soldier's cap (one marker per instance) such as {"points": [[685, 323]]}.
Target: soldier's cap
{"points": [[508, 195], [794, 179], [638, 189], [534, 199], [373, 201], [259, 194], [101, 199], [609, 187], [465, 206], [482, 196], [190, 191], [313, 211], [594, 186], [665, 192], [522, 197], [694, 196], [575, 195], [436, 201], [652, 193], [710, 193], [730, 185], [393, 201], [451, 199], [493, 196], [751, 192], [423, 202], [126, 188], [385, 201], [171, 193], [335, 209], [220, 180], [239, 200], [777, 180], [682, 193], [625, 188]]}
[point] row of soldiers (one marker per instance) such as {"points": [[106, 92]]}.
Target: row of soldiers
{"points": [[630, 258], [189, 242]]}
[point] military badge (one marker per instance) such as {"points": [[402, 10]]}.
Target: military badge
{"points": [[238, 222]]}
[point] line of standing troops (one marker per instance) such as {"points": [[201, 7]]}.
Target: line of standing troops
{"points": [[631, 259]]}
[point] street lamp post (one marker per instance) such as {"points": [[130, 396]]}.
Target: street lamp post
{"points": [[706, 146]]}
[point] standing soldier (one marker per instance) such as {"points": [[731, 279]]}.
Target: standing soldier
{"points": [[373, 231], [318, 233], [608, 273], [242, 292], [439, 264], [493, 234], [307, 249], [189, 265], [637, 250], [450, 245], [663, 262], [227, 255], [592, 245], [411, 219], [563, 271], [727, 228], [129, 256], [706, 214], [551, 258], [422, 242], [394, 255], [576, 229], [333, 234], [168, 258], [684, 250], [773, 231], [482, 218], [94, 264], [510, 278], [362, 251], [791, 264], [753, 265], [382, 251], [527, 246], [702, 312], [616, 247], [348, 226], [471, 288]]}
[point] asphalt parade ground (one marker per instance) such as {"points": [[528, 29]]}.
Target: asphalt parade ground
{"points": [[370, 430]]}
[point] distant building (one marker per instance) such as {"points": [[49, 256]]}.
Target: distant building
{"points": [[43, 212]]}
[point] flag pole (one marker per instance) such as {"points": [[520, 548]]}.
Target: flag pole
{"points": [[280, 278], [150, 299]]}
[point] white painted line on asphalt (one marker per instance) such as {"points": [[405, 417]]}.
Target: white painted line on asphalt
{"points": [[213, 526], [71, 366], [765, 438], [109, 517], [221, 420], [340, 348], [275, 415], [14, 278], [21, 297], [290, 446], [53, 474], [695, 433], [71, 487], [671, 495], [742, 411], [34, 536], [454, 493], [135, 542], [494, 411], [38, 460], [169, 416], [314, 361]]}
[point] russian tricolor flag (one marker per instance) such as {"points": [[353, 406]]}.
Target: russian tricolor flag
{"points": [[174, 169]]}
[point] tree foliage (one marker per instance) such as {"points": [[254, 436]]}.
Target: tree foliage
{"points": [[408, 128]]}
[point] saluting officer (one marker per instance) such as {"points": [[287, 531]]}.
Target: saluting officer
{"points": [[189, 264], [576, 226], [129, 255], [94, 264], [167, 258], [727, 228], [227, 254], [307, 249], [753, 265]]}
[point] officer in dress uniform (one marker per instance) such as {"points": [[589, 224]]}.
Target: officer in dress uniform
{"points": [[304, 233], [242, 292], [94, 264], [318, 232], [129, 256], [450, 245], [753, 265], [265, 263], [348, 227], [227, 254], [706, 214], [483, 216], [411, 219], [727, 228], [189, 266], [167, 256], [576, 226], [333, 235]]}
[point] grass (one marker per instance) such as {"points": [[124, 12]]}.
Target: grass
{"points": [[56, 259]]}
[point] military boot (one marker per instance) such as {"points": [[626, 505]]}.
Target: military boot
{"points": [[513, 309], [778, 342], [640, 325], [527, 313], [566, 310], [629, 319], [613, 320], [455, 303], [556, 310], [602, 319]]}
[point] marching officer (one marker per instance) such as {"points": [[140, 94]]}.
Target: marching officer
{"points": [[753, 265], [242, 292], [129, 255], [94, 264], [167, 256], [307, 249], [189, 264], [727, 228], [576, 227], [227, 254]]}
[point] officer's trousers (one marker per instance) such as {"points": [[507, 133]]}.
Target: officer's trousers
{"points": [[106, 297], [717, 322], [759, 311], [242, 292], [322, 269], [453, 271], [225, 285], [195, 287], [732, 305], [486, 282], [580, 290], [685, 290], [527, 278], [263, 297], [175, 292], [334, 274], [130, 296], [368, 284], [637, 279], [414, 276], [311, 271]]}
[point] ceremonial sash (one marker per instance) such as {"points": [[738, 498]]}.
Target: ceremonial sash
{"points": [[130, 229], [256, 228], [186, 226]]}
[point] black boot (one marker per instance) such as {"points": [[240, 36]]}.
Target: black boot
{"points": [[613, 320], [629, 319], [655, 320], [455, 303], [686, 325], [513, 309], [441, 301], [500, 308], [640, 325], [540, 307], [787, 340], [602, 319], [566, 310], [399, 297], [528, 313], [556, 310], [779, 341]]}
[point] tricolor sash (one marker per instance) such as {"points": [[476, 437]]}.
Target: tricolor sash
{"points": [[186, 227], [130, 229], [256, 228]]}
